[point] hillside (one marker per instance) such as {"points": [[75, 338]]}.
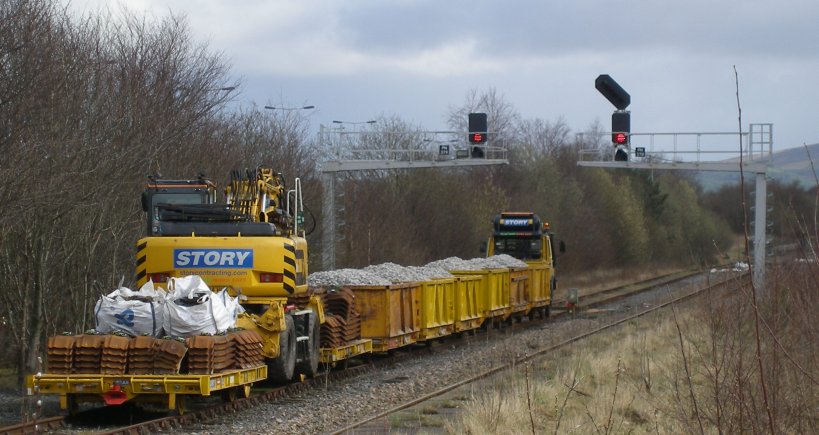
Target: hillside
{"points": [[789, 165]]}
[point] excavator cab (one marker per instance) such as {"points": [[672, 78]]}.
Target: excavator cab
{"points": [[168, 196]]}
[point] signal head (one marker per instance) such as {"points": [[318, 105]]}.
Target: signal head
{"points": [[619, 138]]}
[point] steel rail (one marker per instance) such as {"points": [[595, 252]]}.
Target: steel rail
{"points": [[637, 286], [34, 426], [240, 404], [517, 361]]}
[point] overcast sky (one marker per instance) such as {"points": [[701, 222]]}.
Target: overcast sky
{"points": [[359, 59]]}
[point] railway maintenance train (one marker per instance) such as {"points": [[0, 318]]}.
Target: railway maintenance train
{"points": [[253, 244]]}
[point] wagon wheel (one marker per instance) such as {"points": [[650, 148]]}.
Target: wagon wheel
{"points": [[230, 394], [233, 393], [72, 406], [181, 405], [281, 369], [309, 365]]}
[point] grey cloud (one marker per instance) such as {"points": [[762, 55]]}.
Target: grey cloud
{"points": [[543, 28]]}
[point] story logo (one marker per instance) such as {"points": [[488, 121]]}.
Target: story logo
{"points": [[224, 258], [516, 222]]}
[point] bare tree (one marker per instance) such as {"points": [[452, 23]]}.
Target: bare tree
{"points": [[87, 107], [502, 117], [537, 137]]}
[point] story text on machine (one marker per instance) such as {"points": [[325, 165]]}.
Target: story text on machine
{"points": [[227, 258]]}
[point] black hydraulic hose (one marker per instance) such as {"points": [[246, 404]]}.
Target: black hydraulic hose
{"points": [[312, 218]]}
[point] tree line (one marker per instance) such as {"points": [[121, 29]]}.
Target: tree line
{"points": [[90, 106]]}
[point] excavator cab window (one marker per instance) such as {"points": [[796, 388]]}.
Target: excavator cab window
{"points": [[151, 203], [178, 198]]}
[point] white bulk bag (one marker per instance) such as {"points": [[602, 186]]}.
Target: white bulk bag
{"points": [[193, 309], [132, 312], [231, 304]]}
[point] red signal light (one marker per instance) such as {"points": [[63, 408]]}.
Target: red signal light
{"points": [[477, 138], [619, 138]]}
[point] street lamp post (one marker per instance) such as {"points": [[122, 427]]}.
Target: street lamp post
{"points": [[289, 108], [215, 96], [372, 121]]}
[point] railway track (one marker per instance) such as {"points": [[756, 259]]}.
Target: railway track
{"points": [[40, 425], [204, 412], [96, 420], [599, 298], [606, 296]]}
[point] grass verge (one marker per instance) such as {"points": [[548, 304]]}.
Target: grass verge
{"points": [[691, 369]]}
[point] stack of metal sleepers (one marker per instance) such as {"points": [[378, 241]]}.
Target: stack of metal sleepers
{"points": [[154, 356], [300, 300], [60, 354], [87, 353], [141, 356], [342, 323], [114, 357], [168, 356], [209, 354], [247, 349]]}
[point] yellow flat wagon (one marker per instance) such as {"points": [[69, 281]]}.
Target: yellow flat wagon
{"points": [[116, 389], [334, 355]]}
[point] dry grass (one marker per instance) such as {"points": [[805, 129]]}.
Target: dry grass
{"points": [[499, 409], [690, 370]]}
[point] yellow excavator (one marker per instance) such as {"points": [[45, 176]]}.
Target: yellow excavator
{"points": [[252, 243]]}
